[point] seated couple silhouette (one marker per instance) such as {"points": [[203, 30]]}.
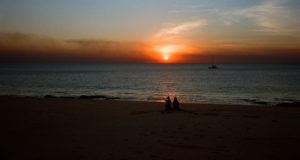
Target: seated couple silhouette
{"points": [[175, 104]]}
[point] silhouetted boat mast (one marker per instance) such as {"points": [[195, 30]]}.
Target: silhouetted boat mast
{"points": [[213, 65]]}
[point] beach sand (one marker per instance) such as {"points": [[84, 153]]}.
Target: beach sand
{"points": [[56, 128]]}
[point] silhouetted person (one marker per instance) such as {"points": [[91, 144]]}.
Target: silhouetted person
{"points": [[175, 104], [168, 104]]}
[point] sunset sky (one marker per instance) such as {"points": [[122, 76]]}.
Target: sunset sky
{"points": [[150, 31]]}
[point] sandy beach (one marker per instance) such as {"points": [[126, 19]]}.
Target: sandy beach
{"points": [[56, 128]]}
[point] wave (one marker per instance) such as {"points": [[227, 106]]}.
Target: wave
{"points": [[258, 102], [98, 97], [277, 102]]}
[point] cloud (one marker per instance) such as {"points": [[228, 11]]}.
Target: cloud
{"points": [[16, 41], [180, 28], [108, 47], [86, 43], [22, 47], [271, 16], [276, 17], [15, 36]]}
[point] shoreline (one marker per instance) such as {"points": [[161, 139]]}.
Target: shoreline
{"points": [[291, 103]]}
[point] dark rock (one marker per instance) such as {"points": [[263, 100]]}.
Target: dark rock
{"points": [[49, 96], [92, 97]]}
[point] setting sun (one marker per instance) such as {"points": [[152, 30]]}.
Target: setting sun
{"points": [[168, 53]]}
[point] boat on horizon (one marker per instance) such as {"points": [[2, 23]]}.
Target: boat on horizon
{"points": [[213, 66]]}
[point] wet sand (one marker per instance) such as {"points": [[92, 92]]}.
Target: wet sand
{"points": [[57, 128]]}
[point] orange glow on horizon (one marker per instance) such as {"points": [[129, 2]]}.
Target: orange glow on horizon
{"points": [[167, 49], [168, 53]]}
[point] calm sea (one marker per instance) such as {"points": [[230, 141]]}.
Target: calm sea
{"points": [[231, 84]]}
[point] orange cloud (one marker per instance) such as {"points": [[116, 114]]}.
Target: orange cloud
{"points": [[17, 46], [20, 47]]}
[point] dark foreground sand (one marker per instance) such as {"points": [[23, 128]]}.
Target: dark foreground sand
{"points": [[38, 128]]}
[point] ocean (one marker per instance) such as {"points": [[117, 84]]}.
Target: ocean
{"points": [[252, 84]]}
